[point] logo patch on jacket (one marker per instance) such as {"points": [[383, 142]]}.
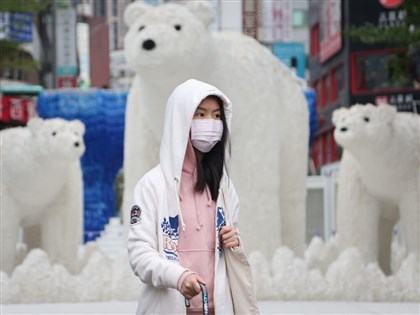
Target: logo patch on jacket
{"points": [[220, 219], [170, 229], [135, 216]]}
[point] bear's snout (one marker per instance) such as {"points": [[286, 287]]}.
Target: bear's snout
{"points": [[149, 44], [343, 129], [76, 144]]}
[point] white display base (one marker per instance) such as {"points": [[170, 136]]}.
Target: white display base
{"points": [[266, 307]]}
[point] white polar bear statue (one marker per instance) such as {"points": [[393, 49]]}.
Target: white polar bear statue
{"points": [[171, 43], [378, 181], [41, 186]]}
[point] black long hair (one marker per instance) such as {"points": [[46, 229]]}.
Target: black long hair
{"points": [[210, 168]]}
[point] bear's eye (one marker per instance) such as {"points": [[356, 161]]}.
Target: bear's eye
{"points": [[366, 119], [141, 28], [54, 133], [178, 27]]}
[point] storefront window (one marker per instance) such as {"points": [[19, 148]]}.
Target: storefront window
{"points": [[337, 82], [115, 35], [382, 71], [339, 78], [114, 8], [101, 8], [325, 91], [300, 18]]}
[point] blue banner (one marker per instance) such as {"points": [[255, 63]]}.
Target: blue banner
{"points": [[20, 27]]}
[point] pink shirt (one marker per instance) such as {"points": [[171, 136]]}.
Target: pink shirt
{"points": [[196, 246]]}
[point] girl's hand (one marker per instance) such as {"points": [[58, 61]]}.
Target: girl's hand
{"points": [[190, 287], [229, 236]]}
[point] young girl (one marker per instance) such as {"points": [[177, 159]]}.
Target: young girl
{"points": [[179, 223]]}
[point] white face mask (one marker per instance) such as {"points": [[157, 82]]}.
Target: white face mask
{"points": [[205, 133]]}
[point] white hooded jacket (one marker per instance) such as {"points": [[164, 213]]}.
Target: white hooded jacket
{"points": [[153, 234]]}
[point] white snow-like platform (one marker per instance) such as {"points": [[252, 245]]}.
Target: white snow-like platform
{"points": [[266, 307]]}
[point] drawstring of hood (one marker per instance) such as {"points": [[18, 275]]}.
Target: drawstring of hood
{"points": [[197, 212], [178, 196], [176, 183], [209, 202]]}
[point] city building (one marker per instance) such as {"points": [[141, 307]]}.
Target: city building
{"points": [[282, 26], [345, 71], [112, 15]]}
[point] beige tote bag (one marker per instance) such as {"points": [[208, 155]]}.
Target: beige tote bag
{"points": [[239, 275]]}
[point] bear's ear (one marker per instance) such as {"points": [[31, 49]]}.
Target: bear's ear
{"points": [[203, 10], [78, 126], [387, 113], [133, 11], [337, 114], [34, 124]]}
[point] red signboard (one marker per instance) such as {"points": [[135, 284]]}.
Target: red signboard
{"points": [[17, 108], [66, 82], [391, 4]]}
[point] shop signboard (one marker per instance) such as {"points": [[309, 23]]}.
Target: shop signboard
{"points": [[287, 51], [276, 23], [282, 20], [381, 13], [83, 53], [404, 101], [390, 4], [67, 82], [16, 26], [65, 34], [330, 29], [17, 108]]}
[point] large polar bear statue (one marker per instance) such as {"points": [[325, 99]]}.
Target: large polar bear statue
{"points": [[171, 43], [41, 186], [379, 180]]}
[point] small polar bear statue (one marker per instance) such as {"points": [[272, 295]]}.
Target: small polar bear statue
{"points": [[378, 181], [42, 189]]}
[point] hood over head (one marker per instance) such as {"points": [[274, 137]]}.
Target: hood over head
{"points": [[180, 109]]}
